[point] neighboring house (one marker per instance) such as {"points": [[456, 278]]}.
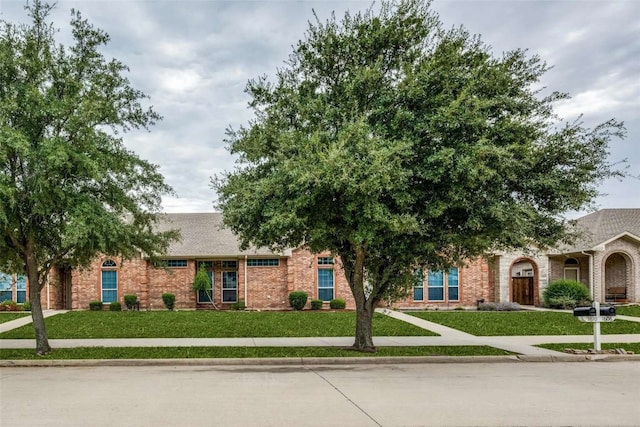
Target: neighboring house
{"points": [[607, 260]]}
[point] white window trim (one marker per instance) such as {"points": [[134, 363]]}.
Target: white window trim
{"points": [[223, 268], [576, 269], [110, 268], [250, 260], [222, 288], [333, 281]]}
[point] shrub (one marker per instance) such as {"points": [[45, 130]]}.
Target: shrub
{"points": [[316, 304], [95, 306], [115, 306], [169, 300], [298, 299], [499, 306], [487, 306], [566, 294], [238, 305], [9, 305], [26, 306], [564, 302], [337, 303], [130, 301], [508, 306]]}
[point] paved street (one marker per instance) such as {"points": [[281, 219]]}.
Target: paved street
{"points": [[503, 394]]}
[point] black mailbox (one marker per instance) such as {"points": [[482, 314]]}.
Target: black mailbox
{"points": [[591, 311], [584, 311], [607, 311]]}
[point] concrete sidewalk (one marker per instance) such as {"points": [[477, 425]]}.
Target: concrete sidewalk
{"points": [[13, 324], [524, 345]]}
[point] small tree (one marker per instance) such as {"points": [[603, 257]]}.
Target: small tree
{"points": [[202, 283]]}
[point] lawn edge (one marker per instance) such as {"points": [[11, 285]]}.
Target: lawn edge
{"points": [[319, 361]]}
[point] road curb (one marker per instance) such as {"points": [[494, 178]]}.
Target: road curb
{"points": [[317, 361]]}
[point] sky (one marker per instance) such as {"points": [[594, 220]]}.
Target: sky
{"points": [[193, 58]]}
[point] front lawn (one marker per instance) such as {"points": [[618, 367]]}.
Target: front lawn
{"points": [[243, 352], [211, 324], [490, 323], [7, 316], [628, 310]]}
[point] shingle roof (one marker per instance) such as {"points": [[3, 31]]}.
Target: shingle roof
{"points": [[604, 225], [203, 235]]}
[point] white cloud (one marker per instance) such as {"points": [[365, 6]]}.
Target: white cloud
{"points": [[179, 81]]}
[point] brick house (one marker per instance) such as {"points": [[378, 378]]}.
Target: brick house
{"points": [[606, 260]]}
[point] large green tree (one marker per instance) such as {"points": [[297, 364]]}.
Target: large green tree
{"points": [[69, 189], [394, 143]]}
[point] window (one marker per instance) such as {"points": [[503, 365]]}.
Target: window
{"points": [[263, 262], [21, 285], [453, 285], [418, 285], [229, 286], [325, 260], [230, 264], [206, 264], [325, 284], [6, 286], [435, 285], [204, 296], [173, 263], [109, 281], [572, 269]]}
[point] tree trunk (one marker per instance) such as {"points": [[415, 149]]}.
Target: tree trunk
{"points": [[354, 269], [42, 343], [364, 327], [35, 288]]}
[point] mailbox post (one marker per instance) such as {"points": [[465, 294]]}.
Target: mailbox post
{"points": [[595, 314]]}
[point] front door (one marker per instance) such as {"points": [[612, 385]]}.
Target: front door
{"points": [[523, 290]]}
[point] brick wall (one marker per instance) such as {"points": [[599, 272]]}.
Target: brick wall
{"points": [[474, 284], [155, 281], [266, 286], [302, 275]]}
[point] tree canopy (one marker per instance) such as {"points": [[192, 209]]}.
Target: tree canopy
{"points": [[69, 188], [394, 143]]}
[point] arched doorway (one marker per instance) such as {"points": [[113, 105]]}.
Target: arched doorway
{"points": [[523, 282], [616, 277]]}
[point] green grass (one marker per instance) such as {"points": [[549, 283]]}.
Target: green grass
{"points": [[485, 323], [628, 346], [211, 324], [629, 310], [243, 352], [7, 316]]}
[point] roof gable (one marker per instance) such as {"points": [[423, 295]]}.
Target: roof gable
{"points": [[604, 226]]}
